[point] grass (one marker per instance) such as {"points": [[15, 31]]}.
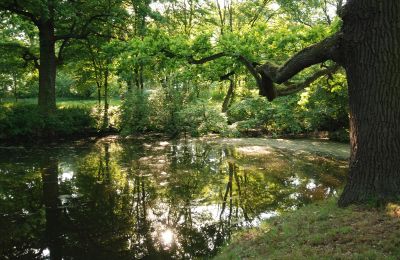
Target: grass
{"points": [[64, 102], [322, 231]]}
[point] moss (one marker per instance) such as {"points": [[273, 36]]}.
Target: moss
{"points": [[322, 231]]}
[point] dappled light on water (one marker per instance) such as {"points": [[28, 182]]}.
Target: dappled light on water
{"points": [[167, 237], [136, 198]]}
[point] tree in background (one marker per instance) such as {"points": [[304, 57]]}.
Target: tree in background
{"points": [[57, 24]]}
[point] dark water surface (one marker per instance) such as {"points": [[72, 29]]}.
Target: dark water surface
{"points": [[152, 199]]}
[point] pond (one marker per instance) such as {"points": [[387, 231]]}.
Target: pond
{"points": [[153, 198]]}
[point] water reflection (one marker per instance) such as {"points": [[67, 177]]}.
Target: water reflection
{"points": [[148, 199]]}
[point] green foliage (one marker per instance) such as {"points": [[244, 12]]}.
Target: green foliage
{"points": [[135, 112], [324, 104], [64, 83], [25, 122], [150, 48], [279, 117], [200, 118]]}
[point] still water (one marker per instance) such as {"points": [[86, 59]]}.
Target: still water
{"points": [[149, 198]]}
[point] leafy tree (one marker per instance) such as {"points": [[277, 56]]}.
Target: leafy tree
{"points": [[59, 22], [373, 93]]}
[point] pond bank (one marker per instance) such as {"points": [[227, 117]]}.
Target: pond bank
{"points": [[322, 231]]}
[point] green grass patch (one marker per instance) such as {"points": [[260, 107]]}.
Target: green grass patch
{"points": [[322, 231], [61, 102]]}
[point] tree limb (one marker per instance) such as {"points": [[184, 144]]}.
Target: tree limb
{"points": [[292, 88], [227, 76], [84, 32], [268, 74], [317, 53], [26, 53], [328, 49], [206, 59], [15, 8]]}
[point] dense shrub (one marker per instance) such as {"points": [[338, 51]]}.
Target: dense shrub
{"points": [[281, 117], [135, 112], [201, 118], [320, 107], [25, 122]]}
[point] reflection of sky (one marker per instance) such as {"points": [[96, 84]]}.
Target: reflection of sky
{"points": [[179, 190], [65, 172]]}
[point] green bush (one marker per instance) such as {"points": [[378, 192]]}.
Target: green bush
{"points": [[280, 117], [135, 112], [200, 119], [25, 122]]}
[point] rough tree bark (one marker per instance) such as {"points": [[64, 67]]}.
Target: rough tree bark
{"points": [[368, 47], [47, 67], [371, 46]]}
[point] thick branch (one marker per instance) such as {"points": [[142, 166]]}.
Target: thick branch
{"points": [[328, 49], [60, 57], [15, 8], [317, 53]]}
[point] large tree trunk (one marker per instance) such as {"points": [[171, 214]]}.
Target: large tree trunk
{"points": [[371, 45], [47, 68]]}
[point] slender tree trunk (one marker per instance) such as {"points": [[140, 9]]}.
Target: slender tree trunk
{"points": [[141, 78], [99, 94], [372, 61], [105, 118], [47, 68], [229, 95], [14, 77]]}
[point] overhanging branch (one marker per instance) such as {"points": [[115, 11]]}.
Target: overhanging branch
{"points": [[268, 74], [206, 59], [328, 49], [317, 53], [26, 54], [291, 88], [84, 30], [15, 8]]}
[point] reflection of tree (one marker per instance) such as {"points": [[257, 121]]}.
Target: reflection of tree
{"points": [[49, 170], [21, 217], [123, 195]]}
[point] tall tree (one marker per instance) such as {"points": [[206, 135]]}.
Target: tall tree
{"points": [[367, 46], [58, 22]]}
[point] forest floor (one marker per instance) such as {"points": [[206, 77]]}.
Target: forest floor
{"points": [[322, 231]]}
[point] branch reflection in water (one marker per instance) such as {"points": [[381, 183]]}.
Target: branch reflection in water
{"points": [[124, 199]]}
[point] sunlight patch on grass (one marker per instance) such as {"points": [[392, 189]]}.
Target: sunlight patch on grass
{"points": [[322, 231]]}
